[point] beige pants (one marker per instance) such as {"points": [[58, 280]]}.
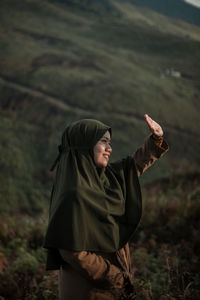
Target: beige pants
{"points": [[72, 286]]}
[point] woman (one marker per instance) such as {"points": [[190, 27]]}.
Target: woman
{"points": [[95, 209]]}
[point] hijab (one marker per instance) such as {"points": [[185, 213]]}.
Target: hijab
{"points": [[91, 209]]}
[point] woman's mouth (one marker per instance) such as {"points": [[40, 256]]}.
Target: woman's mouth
{"points": [[106, 156]]}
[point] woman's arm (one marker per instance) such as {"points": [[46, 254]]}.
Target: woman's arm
{"points": [[95, 268], [154, 147]]}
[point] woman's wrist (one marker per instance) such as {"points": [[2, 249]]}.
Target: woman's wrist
{"points": [[157, 137]]}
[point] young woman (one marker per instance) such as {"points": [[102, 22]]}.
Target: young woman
{"points": [[95, 209]]}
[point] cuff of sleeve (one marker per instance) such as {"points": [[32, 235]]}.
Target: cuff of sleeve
{"points": [[158, 142], [160, 146]]}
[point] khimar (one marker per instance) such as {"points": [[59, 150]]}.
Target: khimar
{"points": [[91, 209]]}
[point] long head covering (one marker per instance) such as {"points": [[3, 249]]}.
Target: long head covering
{"points": [[91, 209]]}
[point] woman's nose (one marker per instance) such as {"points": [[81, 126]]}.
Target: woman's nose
{"points": [[109, 148]]}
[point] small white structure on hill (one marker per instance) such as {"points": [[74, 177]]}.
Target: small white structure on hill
{"points": [[171, 72]]}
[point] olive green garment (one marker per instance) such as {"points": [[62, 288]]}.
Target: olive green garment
{"points": [[91, 209]]}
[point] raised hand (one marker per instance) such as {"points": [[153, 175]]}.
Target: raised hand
{"points": [[154, 127]]}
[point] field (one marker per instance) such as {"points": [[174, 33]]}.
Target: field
{"points": [[165, 249]]}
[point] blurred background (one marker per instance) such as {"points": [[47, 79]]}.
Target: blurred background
{"points": [[114, 61]]}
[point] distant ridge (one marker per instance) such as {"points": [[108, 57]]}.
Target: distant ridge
{"points": [[177, 9], [195, 3], [97, 6]]}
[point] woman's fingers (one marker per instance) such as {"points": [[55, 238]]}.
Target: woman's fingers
{"points": [[154, 127], [149, 121]]}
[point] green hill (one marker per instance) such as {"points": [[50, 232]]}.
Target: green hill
{"points": [[61, 62]]}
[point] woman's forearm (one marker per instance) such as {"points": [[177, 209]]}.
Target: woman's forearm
{"points": [[146, 155]]}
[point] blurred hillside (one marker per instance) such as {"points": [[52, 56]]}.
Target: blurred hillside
{"points": [[65, 60]]}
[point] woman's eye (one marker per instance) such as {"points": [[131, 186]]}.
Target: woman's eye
{"points": [[106, 142]]}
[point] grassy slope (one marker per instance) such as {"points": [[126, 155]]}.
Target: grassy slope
{"points": [[108, 66]]}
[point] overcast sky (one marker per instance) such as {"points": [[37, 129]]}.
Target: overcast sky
{"points": [[194, 2]]}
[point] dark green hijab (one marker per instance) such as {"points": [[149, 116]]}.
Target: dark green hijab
{"points": [[91, 209]]}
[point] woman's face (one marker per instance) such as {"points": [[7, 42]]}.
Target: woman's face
{"points": [[102, 151]]}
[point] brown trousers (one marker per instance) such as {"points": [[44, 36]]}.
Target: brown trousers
{"points": [[73, 286]]}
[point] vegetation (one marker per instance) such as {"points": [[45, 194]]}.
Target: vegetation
{"points": [[113, 61], [165, 250]]}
